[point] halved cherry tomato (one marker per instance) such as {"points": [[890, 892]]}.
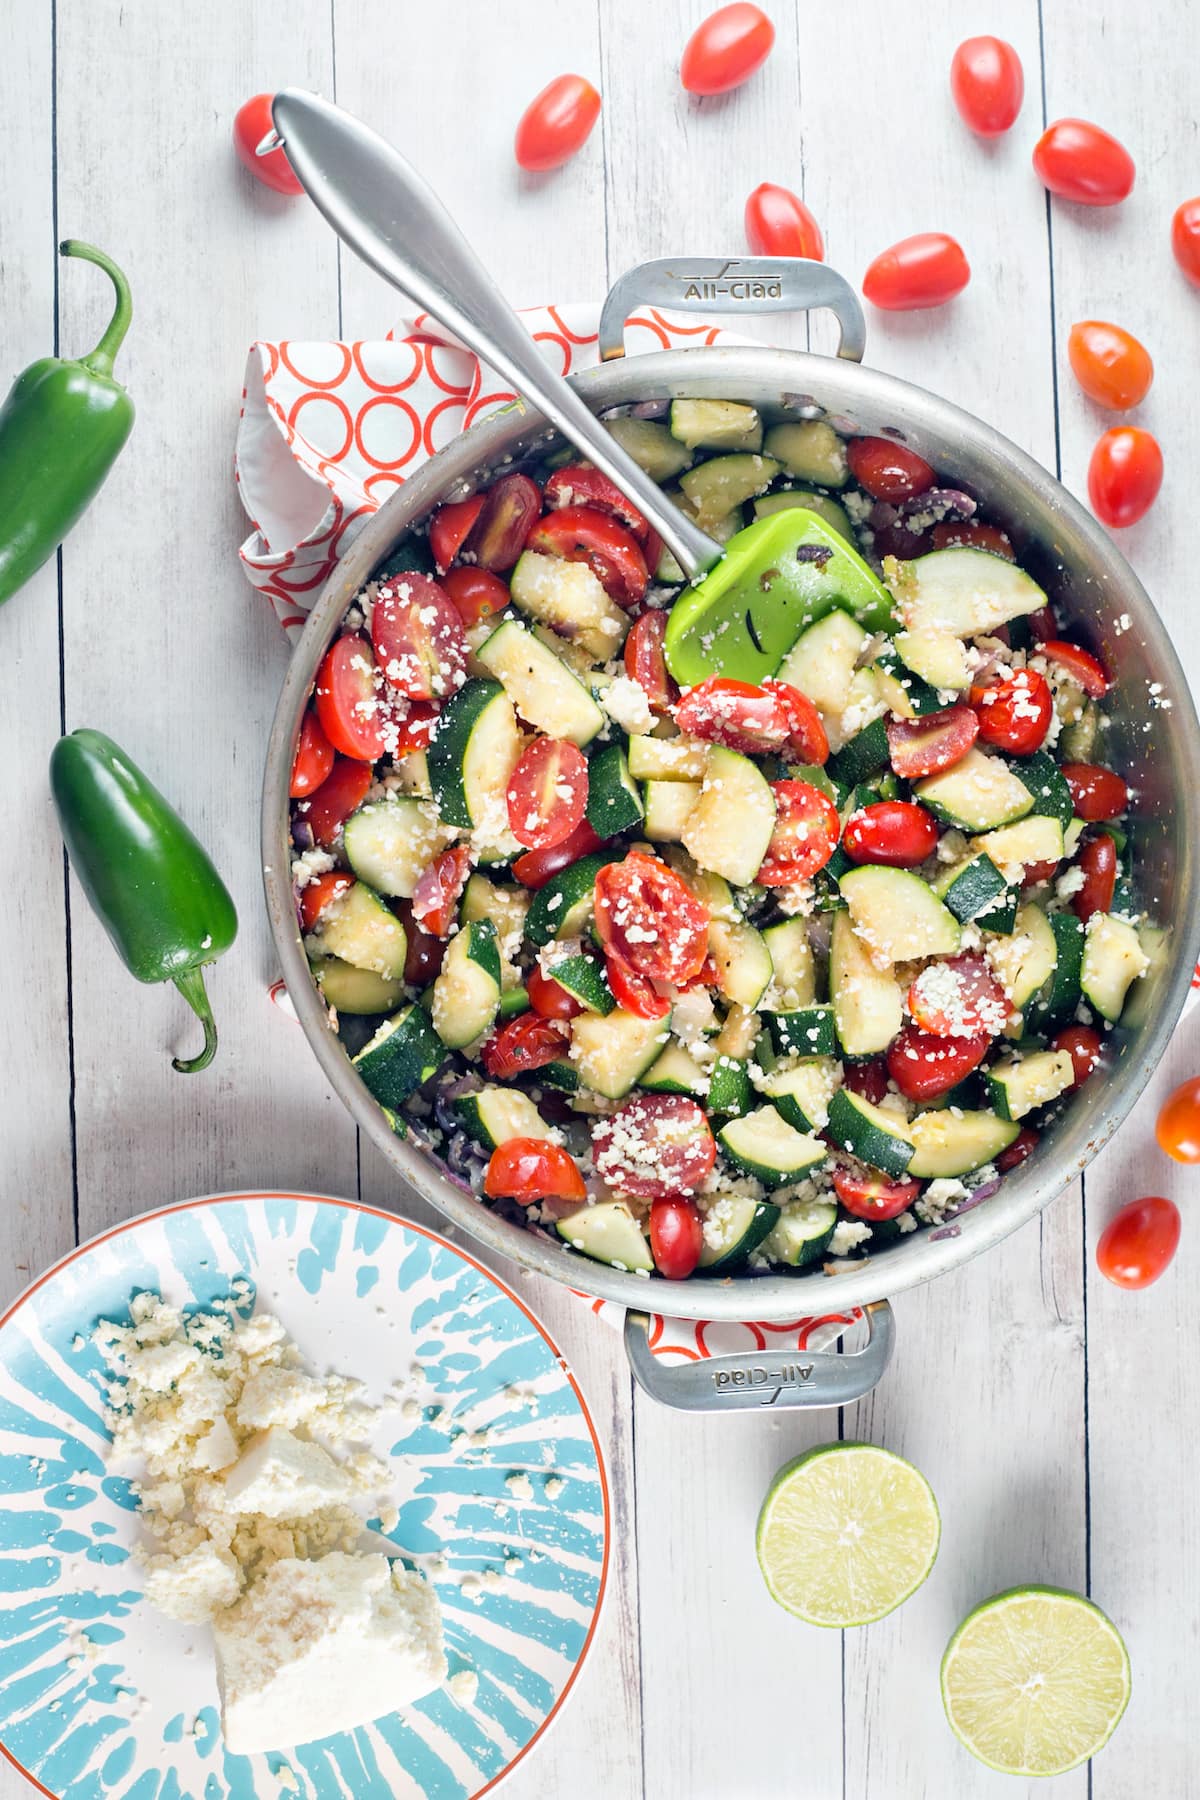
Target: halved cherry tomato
{"points": [[869, 1196], [548, 998], [1185, 238], [1178, 1128], [316, 895], [1096, 793], [676, 1237], [869, 1078], [975, 535], [988, 84], [927, 745], [1079, 664], [925, 270], [416, 728], [924, 1066], [1022, 1147], [635, 993], [648, 919], [1110, 365], [897, 833], [450, 527], [521, 1044], [350, 707], [726, 49], [888, 470], [507, 516], [251, 124], [959, 997], [578, 484], [435, 897], [655, 1145], [547, 792], [1084, 1046], [585, 534], [1083, 162], [342, 792], [313, 760], [1098, 860], [806, 738], [556, 123], [423, 953], [806, 832], [1124, 475], [532, 1169], [1137, 1244], [1014, 714], [646, 664], [418, 637], [738, 714], [779, 224], [1038, 872], [477, 593], [537, 867]]}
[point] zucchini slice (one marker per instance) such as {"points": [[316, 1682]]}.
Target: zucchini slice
{"points": [[667, 759], [732, 1229], [868, 1007], [608, 1233], [466, 995], [568, 597], [470, 758], [1046, 782], [676, 1071], [865, 754], [496, 1114], [744, 964], [667, 808], [401, 1057], [583, 977], [874, 1135], [897, 915], [961, 591], [360, 929], [1113, 958], [730, 826], [801, 1235], [822, 661], [563, 908], [979, 793], [795, 975], [824, 505], [1016, 1088], [956, 1142], [613, 803], [541, 687], [765, 1145], [351, 990], [1032, 840], [802, 1092], [729, 1090], [390, 842], [810, 450], [971, 888], [808, 1031], [935, 657], [716, 487], [651, 446], [1025, 961], [716, 425], [1059, 995], [612, 1052]]}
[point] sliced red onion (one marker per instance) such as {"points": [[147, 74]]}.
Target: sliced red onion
{"points": [[463, 1156], [303, 835], [650, 409], [801, 403], [947, 1231], [941, 501], [984, 1191]]}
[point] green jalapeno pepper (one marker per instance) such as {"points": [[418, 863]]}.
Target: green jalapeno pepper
{"points": [[151, 883], [61, 429]]}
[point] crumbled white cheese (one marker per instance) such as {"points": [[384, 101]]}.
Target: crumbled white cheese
{"points": [[848, 1234], [937, 1200], [625, 702]]}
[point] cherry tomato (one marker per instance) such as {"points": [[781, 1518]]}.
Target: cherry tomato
{"points": [[676, 1237], [556, 123], [1096, 793], [418, 637], [435, 897], [869, 1196], [537, 867], [1110, 365], [316, 895], [423, 953], [578, 484], [1043, 626], [351, 710], [897, 833], [1098, 860], [988, 84], [888, 470], [1082, 162], [1084, 1046], [806, 832], [521, 1044], [927, 745], [1038, 872], [450, 527], [313, 760], [650, 920], [779, 224], [1079, 664], [1185, 238], [975, 535], [726, 49], [416, 728], [507, 516], [585, 534], [958, 997], [547, 793], [635, 993], [342, 792], [476, 593], [251, 124], [654, 1146], [1022, 1147], [869, 1078], [548, 998], [737, 714], [646, 664], [532, 1169], [1124, 475], [1014, 714], [806, 738], [1178, 1129], [1138, 1242], [925, 270], [924, 1066]]}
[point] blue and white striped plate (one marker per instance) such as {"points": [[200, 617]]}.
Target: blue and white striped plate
{"points": [[102, 1696]]}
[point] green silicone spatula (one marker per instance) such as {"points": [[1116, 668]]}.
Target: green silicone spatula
{"points": [[751, 597]]}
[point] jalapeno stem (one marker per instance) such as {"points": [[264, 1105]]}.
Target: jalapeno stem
{"points": [[191, 986], [101, 360]]}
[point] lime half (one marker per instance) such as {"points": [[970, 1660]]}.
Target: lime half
{"points": [[846, 1533], [1035, 1680]]}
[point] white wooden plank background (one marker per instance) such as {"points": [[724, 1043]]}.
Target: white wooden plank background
{"points": [[1053, 1414]]}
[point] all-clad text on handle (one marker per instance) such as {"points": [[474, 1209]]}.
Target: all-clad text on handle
{"points": [[730, 284]]}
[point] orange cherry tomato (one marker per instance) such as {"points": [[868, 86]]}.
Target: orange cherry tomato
{"points": [[547, 793], [779, 224], [556, 123], [343, 790], [805, 836], [896, 833], [251, 124], [314, 757], [1082, 162], [531, 1169], [925, 270], [988, 84], [450, 527], [676, 1237], [1138, 1243], [1185, 238], [887, 469], [655, 1145], [477, 593], [1178, 1129], [549, 999], [1084, 1046], [866, 1195], [316, 895], [1098, 860], [726, 49], [1124, 475], [1109, 363]]}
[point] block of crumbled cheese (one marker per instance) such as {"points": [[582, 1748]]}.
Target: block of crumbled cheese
{"points": [[193, 1586], [284, 1477], [319, 1647]]}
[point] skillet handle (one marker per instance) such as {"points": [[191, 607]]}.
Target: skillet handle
{"points": [[763, 1378], [752, 284]]}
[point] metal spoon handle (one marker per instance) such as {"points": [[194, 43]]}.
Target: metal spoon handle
{"points": [[385, 212]]}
